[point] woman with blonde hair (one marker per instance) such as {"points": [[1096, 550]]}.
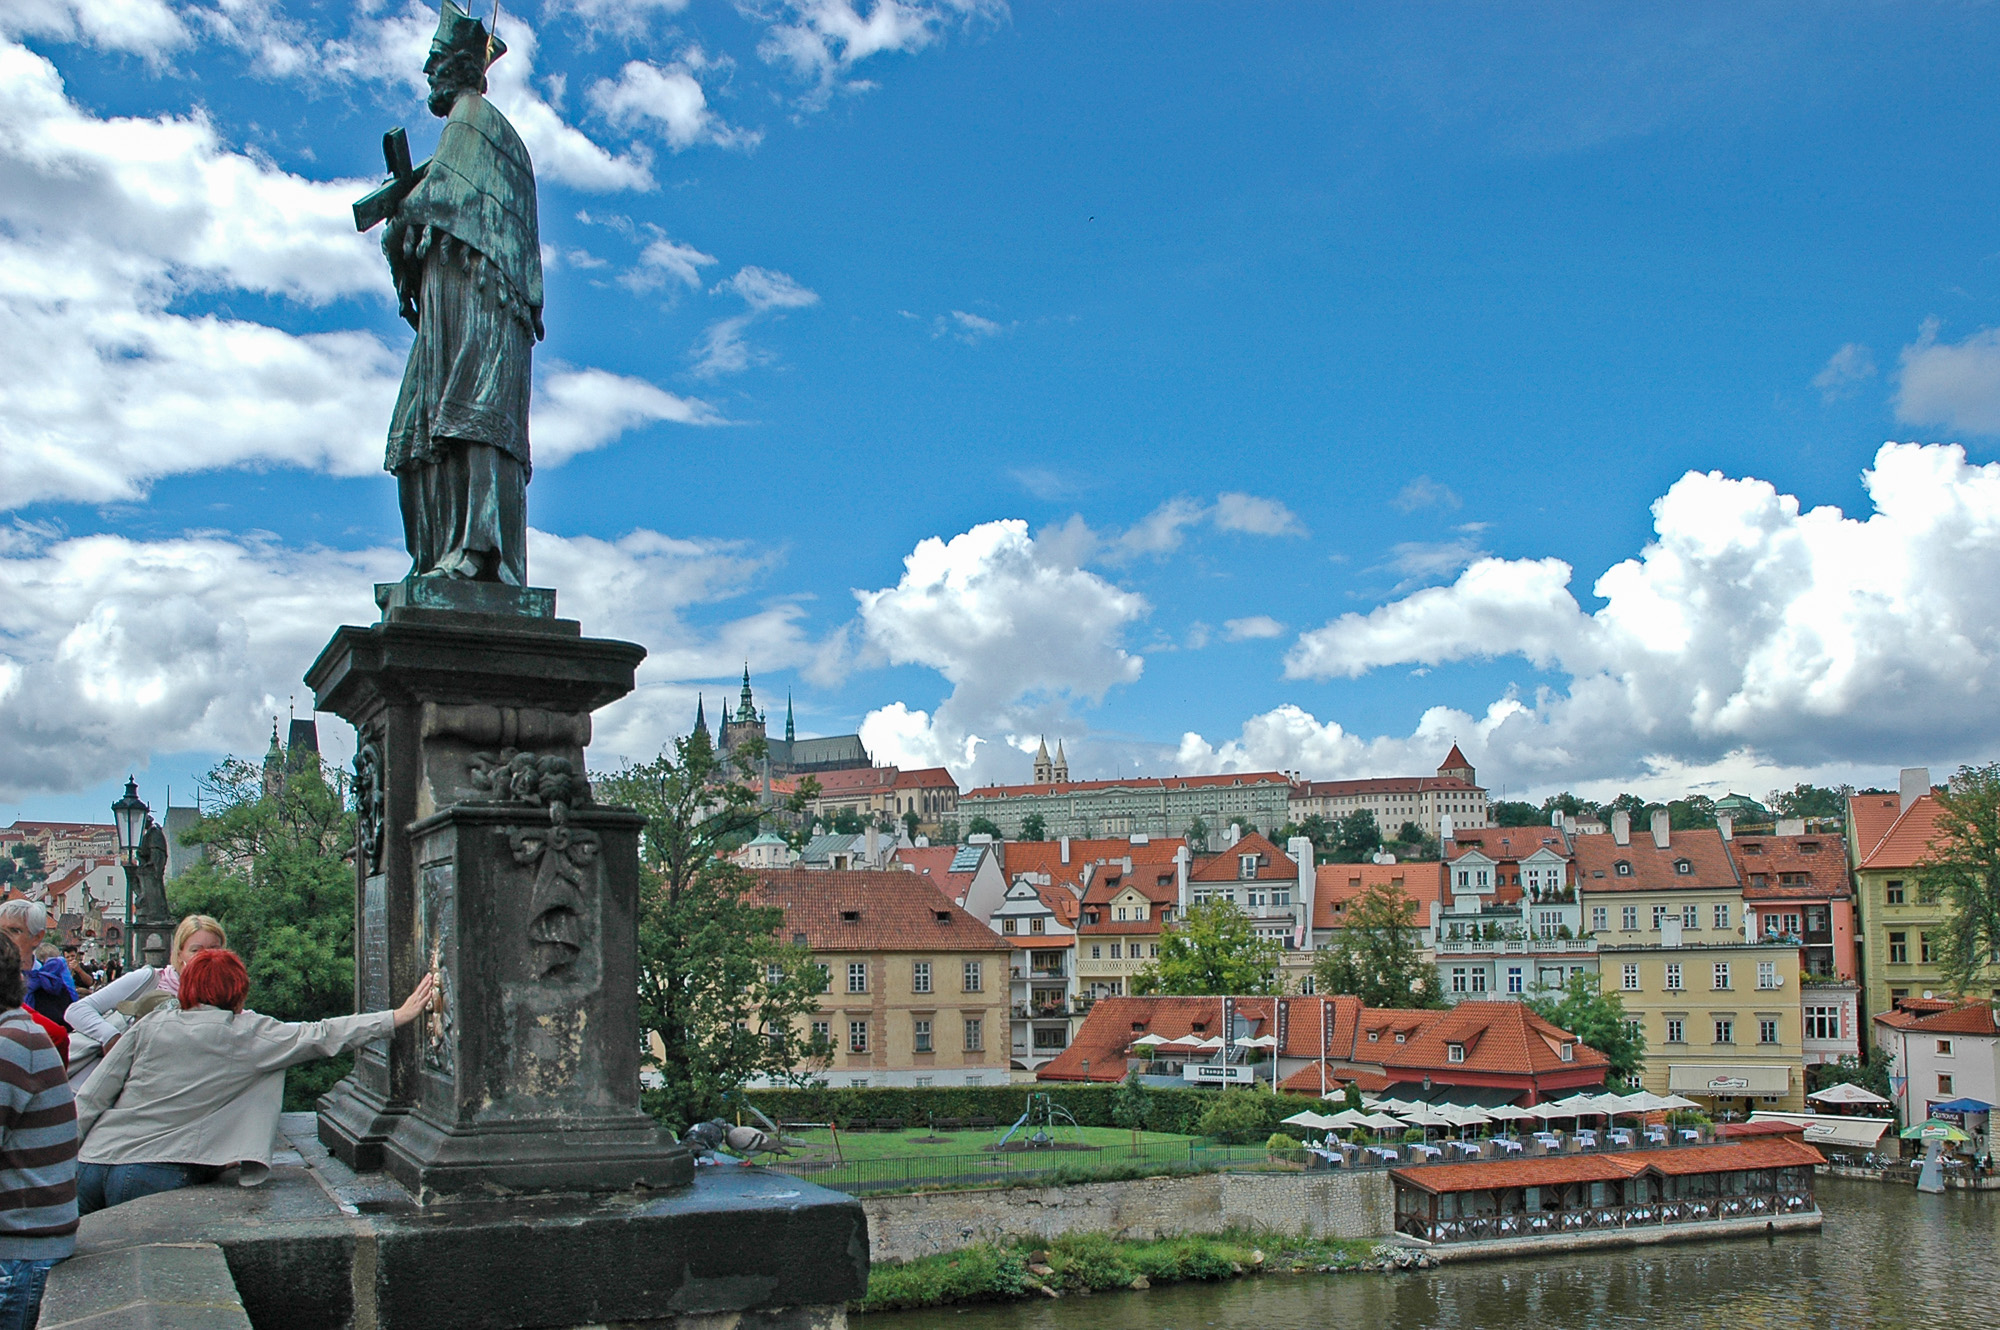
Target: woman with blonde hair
{"points": [[96, 1019]]}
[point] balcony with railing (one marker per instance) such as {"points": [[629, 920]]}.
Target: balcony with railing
{"points": [[1517, 946]]}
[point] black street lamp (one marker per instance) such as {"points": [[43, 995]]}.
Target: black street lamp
{"points": [[130, 813]]}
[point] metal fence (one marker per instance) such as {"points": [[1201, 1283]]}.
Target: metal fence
{"points": [[910, 1172]]}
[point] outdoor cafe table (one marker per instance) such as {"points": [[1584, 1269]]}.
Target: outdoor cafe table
{"points": [[1548, 1140], [1509, 1144], [1587, 1139], [1384, 1153], [1426, 1151], [1690, 1134], [1621, 1136], [1657, 1135], [1466, 1148]]}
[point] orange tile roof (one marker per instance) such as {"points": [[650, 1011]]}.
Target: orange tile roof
{"points": [[1497, 1174], [1503, 1037], [1273, 863], [1907, 843], [1964, 1018], [892, 911], [1336, 885], [1819, 875], [1771, 1152], [1044, 858], [1134, 783], [933, 864], [1653, 867], [1319, 789], [1508, 844], [1454, 758], [1873, 815]]}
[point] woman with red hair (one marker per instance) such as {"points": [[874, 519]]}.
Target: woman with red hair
{"points": [[186, 1093]]}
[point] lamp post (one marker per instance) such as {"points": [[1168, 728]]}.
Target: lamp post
{"points": [[129, 813]]}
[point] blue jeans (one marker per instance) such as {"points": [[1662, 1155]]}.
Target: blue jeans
{"points": [[21, 1292], [102, 1185]]}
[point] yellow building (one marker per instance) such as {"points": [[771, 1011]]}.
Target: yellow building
{"points": [[1119, 928], [1901, 935], [917, 989], [1720, 1013]]}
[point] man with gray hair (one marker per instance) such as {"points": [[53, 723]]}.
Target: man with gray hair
{"points": [[25, 922]]}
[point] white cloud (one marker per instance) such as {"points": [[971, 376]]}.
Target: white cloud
{"points": [[1019, 636], [113, 649], [1418, 561], [1255, 516], [671, 98], [1953, 386], [821, 41], [963, 327], [665, 260], [579, 410], [1423, 492], [1255, 627], [1747, 632], [147, 28], [619, 18], [1852, 364], [722, 348]]}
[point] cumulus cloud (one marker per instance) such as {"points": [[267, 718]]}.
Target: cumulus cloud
{"points": [[1255, 516], [1852, 364], [722, 348], [663, 261], [1950, 385], [1255, 627], [1748, 630], [148, 28], [1018, 635], [578, 410], [1423, 492], [671, 99], [112, 649], [821, 41]]}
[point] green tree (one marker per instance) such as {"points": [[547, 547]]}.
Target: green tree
{"points": [[1236, 1117], [1034, 827], [29, 855], [1631, 803], [1516, 813], [1811, 801], [1962, 869], [277, 877], [1597, 1018], [846, 822], [1870, 1072], [1132, 1102], [1197, 834], [984, 826], [947, 831], [1568, 805], [798, 807], [1378, 956], [1214, 950], [1695, 811], [1356, 837], [724, 995], [911, 821]]}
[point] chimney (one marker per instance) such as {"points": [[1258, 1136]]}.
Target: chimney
{"points": [[1300, 851], [1569, 824], [1621, 826], [1791, 826], [874, 846], [1556, 819], [1915, 784], [1234, 834], [1065, 849], [1660, 821], [1726, 824], [1182, 857], [1444, 831]]}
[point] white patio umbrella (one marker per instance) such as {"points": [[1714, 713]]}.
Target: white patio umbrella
{"points": [[1845, 1094], [1212, 1044], [1146, 1043], [1674, 1101], [1347, 1119], [1261, 1041], [1381, 1122], [1308, 1118]]}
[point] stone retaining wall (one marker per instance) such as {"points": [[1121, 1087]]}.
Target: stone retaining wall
{"points": [[1320, 1205]]}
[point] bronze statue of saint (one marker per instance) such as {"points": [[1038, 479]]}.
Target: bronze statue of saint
{"points": [[465, 252], [150, 875]]}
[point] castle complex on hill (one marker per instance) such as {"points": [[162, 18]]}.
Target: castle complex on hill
{"points": [[786, 757]]}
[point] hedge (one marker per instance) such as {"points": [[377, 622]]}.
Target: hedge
{"points": [[1169, 1110]]}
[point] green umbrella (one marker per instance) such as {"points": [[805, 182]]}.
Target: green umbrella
{"points": [[1936, 1129]]}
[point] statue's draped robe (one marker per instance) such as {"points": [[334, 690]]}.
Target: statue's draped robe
{"points": [[458, 442]]}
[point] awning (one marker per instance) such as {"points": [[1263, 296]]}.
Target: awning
{"points": [[1727, 1079], [1829, 1129]]}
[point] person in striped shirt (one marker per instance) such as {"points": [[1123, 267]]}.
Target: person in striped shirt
{"points": [[38, 1141]]}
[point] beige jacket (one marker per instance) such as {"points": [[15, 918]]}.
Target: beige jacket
{"points": [[205, 1086]]}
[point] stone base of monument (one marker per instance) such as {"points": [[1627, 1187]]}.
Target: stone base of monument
{"points": [[318, 1247]]}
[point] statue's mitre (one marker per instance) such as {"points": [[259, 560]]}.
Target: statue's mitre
{"points": [[459, 32]]}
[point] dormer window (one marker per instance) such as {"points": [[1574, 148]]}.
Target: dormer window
{"points": [[850, 916], [1374, 1036], [1400, 1036], [1683, 867], [1454, 1052], [1246, 865], [1567, 1052], [1006, 925], [1623, 868]]}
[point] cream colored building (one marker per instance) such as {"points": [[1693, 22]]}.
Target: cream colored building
{"points": [[1427, 801]]}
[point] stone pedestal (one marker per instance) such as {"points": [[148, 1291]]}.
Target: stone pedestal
{"points": [[481, 858]]}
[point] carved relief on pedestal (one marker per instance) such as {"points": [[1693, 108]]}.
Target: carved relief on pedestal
{"points": [[370, 799], [563, 859], [439, 1025]]}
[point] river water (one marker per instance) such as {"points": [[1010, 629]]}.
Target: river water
{"points": [[1888, 1258]]}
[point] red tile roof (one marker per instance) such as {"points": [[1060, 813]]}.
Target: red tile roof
{"points": [[892, 911], [1501, 1037], [1508, 844], [1336, 885], [1872, 815], [933, 864], [1091, 857], [1771, 1152], [1134, 783], [1318, 789], [1907, 842], [1965, 1018], [864, 780], [1496, 1174], [1273, 863], [1788, 871], [1652, 867]]}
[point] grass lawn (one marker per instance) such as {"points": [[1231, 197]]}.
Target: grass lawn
{"points": [[1115, 1143]]}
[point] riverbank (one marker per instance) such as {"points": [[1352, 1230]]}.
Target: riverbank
{"points": [[1095, 1263]]}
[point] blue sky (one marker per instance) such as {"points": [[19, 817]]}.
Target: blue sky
{"points": [[1213, 386]]}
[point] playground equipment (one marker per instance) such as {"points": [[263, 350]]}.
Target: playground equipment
{"points": [[1042, 1111]]}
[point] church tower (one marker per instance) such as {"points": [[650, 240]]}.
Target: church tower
{"points": [[746, 724], [789, 735], [1061, 772], [1454, 764], [1045, 771], [700, 717]]}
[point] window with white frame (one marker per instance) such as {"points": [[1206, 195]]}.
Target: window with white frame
{"points": [[1673, 975], [1676, 1030], [1722, 974], [1600, 918], [920, 1035], [1822, 1022], [1767, 974], [975, 976], [1690, 916], [1725, 1030], [857, 1036], [1628, 918], [1722, 914], [1631, 976], [920, 976], [857, 976]]}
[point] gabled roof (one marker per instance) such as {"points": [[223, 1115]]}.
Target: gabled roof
{"points": [[1335, 885], [1152, 859], [1816, 863], [890, 911], [1653, 867], [1330, 789], [1273, 862], [1454, 759], [1968, 1018], [933, 864], [1907, 842], [1504, 1037], [1872, 816], [1496, 1174], [1506, 844]]}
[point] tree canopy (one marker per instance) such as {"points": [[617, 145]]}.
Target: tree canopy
{"points": [[725, 996], [1516, 813], [1355, 837], [983, 826], [1378, 955], [1962, 869], [1597, 1018], [1214, 950], [1034, 827], [1811, 801]]}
